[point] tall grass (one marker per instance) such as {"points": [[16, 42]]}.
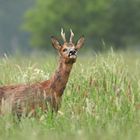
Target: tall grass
{"points": [[101, 101]]}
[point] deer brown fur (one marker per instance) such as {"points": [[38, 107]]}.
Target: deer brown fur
{"points": [[26, 98]]}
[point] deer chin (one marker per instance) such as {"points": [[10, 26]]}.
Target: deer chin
{"points": [[72, 56], [71, 60]]}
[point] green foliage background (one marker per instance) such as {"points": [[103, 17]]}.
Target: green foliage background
{"points": [[115, 22]]}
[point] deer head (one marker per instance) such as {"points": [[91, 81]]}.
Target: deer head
{"points": [[68, 50]]}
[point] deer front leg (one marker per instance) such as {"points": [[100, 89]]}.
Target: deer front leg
{"points": [[56, 102]]}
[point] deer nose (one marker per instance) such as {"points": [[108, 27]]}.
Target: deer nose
{"points": [[72, 52]]}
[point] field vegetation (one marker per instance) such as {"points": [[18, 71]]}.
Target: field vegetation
{"points": [[101, 101]]}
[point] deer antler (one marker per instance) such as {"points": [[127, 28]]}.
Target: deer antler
{"points": [[63, 35], [71, 36]]}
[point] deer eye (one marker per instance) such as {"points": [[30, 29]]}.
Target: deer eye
{"points": [[64, 50]]}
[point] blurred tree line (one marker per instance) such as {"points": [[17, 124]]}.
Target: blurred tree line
{"points": [[113, 22]]}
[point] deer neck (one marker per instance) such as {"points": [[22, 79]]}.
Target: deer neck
{"points": [[60, 77]]}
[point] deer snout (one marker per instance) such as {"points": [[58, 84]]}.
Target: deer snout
{"points": [[72, 52]]}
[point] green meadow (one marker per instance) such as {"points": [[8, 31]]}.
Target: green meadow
{"points": [[101, 100]]}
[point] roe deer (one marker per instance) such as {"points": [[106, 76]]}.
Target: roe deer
{"points": [[29, 97]]}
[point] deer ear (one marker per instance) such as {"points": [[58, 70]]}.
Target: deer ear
{"points": [[55, 43], [80, 42]]}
